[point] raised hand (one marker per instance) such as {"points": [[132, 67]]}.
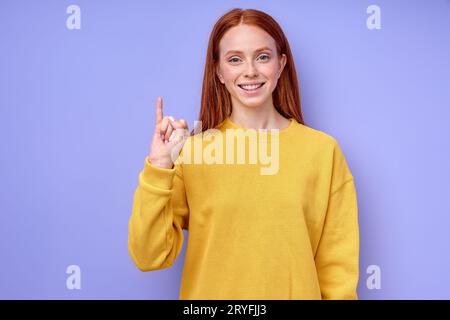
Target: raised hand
{"points": [[168, 138]]}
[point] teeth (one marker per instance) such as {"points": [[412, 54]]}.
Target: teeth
{"points": [[251, 87]]}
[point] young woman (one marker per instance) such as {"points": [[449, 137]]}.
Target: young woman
{"points": [[291, 233]]}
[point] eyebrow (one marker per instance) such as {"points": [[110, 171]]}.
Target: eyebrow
{"points": [[257, 50]]}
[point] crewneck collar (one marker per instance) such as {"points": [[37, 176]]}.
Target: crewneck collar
{"points": [[228, 124]]}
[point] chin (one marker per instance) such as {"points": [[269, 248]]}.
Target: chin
{"points": [[260, 98], [252, 103]]}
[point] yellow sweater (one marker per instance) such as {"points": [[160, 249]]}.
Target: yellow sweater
{"points": [[289, 234]]}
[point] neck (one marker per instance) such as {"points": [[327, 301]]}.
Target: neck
{"points": [[264, 116]]}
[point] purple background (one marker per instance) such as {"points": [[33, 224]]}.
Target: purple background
{"points": [[77, 113]]}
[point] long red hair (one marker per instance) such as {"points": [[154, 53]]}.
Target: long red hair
{"points": [[216, 100]]}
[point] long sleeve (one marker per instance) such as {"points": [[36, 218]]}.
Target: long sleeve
{"points": [[160, 213], [337, 256]]}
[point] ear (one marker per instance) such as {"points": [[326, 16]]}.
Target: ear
{"points": [[219, 75], [283, 61]]}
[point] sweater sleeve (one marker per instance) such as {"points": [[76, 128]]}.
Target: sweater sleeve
{"points": [[337, 255], [160, 213]]}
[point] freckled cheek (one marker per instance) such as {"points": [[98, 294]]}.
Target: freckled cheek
{"points": [[230, 75], [269, 72]]}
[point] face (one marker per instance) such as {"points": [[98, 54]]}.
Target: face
{"points": [[248, 55]]}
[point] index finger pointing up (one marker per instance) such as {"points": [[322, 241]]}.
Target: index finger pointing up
{"points": [[159, 112]]}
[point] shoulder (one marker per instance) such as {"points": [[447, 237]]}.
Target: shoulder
{"points": [[323, 151], [317, 146], [313, 138], [327, 151]]}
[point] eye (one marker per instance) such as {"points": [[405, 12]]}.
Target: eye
{"points": [[267, 57], [234, 59]]}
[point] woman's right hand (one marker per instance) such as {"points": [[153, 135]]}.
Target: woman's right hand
{"points": [[167, 143]]}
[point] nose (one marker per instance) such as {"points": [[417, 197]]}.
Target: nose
{"points": [[251, 71]]}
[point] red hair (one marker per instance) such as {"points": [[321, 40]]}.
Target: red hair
{"points": [[216, 100]]}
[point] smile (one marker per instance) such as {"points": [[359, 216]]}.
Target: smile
{"points": [[251, 87]]}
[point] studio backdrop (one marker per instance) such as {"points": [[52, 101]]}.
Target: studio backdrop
{"points": [[78, 86]]}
